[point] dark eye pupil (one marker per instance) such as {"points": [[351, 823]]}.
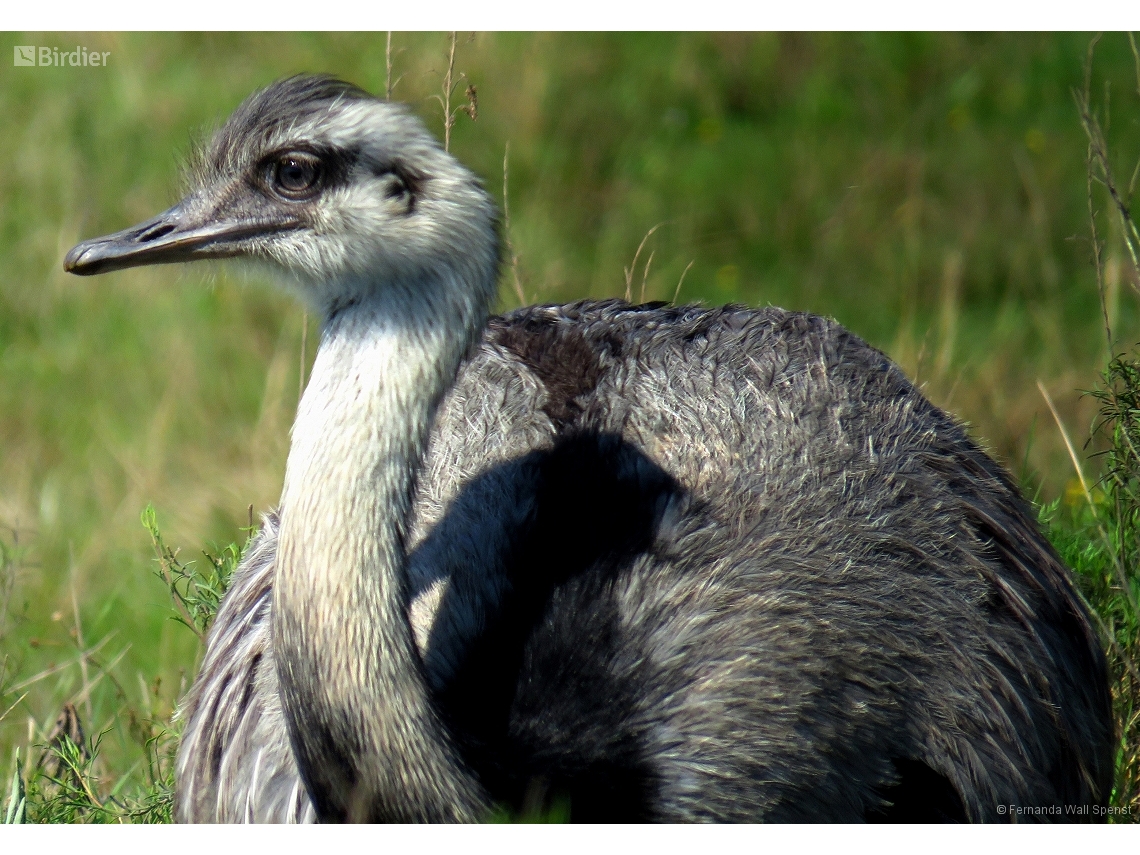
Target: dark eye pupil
{"points": [[295, 175]]}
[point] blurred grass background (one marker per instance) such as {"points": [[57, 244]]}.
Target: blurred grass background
{"points": [[927, 190]]}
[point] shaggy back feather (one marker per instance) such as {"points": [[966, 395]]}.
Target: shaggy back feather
{"points": [[836, 594]]}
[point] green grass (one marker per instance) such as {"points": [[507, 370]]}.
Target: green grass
{"points": [[1098, 535], [928, 190]]}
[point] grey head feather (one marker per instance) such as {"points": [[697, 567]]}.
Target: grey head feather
{"points": [[269, 115]]}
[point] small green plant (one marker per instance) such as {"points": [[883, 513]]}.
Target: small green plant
{"points": [[1119, 423], [196, 594], [1117, 585], [1086, 538], [15, 807], [70, 782], [66, 787]]}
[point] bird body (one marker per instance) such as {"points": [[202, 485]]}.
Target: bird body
{"points": [[653, 562]]}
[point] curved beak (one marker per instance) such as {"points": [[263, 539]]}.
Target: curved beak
{"points": [[186, 232]]}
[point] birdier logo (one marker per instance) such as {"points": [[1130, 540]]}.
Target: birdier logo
{"points": [[52, 56]]}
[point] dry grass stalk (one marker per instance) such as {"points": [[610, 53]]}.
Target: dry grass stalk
{"points": [[680, 282], [450, 81], [55, 669], [507, 227], [1068, 445], [633, 266], [1102, 174]]}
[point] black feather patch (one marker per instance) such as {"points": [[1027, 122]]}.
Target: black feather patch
{"points": [[537, 703]]}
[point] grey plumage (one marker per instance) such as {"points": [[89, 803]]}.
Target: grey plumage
{"points": [[672, 563]]}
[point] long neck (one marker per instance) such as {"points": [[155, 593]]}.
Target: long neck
{"points": [[368, 739]]}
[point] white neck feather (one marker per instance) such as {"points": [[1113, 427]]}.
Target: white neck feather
{"points": [[366, 734]]}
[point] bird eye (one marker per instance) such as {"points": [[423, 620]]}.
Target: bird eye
{"points": [[296, 174], [396, 188]]}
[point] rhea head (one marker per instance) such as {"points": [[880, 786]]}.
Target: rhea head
{"points": [[346, 195]]}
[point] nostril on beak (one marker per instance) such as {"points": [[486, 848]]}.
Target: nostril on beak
{"points": [[155, 233]]}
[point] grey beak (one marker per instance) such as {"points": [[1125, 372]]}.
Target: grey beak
{"points": [[183, 233]]}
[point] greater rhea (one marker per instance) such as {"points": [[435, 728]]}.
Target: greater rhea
{"points": [[644, 561]]}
